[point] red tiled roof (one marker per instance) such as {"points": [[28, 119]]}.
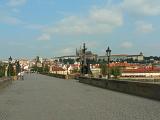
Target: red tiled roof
{"points": [[143, 70], [122, 65], [75, 65], [57, 68]]}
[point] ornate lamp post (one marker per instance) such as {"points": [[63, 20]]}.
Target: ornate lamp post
{"points": [[67, 70], [9, 66], [67, 67], [10, 59], [108, 51]]}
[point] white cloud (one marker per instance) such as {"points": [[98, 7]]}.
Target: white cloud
{"points": [[98, 21], [11, 43], [15, 10], [112, 17], [142, 27], [8, 16], [35, 26], [44, 37], [10, 20], [70, 25], [14, 3], [91, 44], [142, 7], [126, 45], [66, 51]]}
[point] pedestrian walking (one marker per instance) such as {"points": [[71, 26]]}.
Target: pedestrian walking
{"points": [[19, 76], [22, 75]]}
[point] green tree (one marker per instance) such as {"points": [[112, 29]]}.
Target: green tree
{"points": [[11, 71], [37, 59], [2, 70], [116, 71], [60, 60], [37, 69], [46, 68], [75, 70], [70, 61], [103, 68], [34, 68]]}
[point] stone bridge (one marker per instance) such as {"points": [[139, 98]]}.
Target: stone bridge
{"points": [[40, 97]]}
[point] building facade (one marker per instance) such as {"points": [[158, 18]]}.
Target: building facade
{"points": [[137, 58]]}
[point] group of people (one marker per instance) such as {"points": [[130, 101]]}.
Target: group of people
{"points": [[21, 75]]}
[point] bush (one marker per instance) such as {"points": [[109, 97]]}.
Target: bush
{"points": [[116, 71], [104, 69], [2, 70]]}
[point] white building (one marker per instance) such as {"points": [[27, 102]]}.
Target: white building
{"points": [[139, 57], [146, 75]]}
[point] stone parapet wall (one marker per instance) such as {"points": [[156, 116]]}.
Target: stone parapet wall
{"points": [[54, 75], [148, 90]]}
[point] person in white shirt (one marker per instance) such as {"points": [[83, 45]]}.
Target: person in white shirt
{"points": [[21, 75]]}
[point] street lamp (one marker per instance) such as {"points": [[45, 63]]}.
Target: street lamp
{"points": [[108, 51], [67, 67], [9, 66], [10, 59]]}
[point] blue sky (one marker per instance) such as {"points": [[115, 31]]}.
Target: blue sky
{"points": [[57, 27]]}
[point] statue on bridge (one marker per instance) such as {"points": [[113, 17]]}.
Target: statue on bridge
{"points": [[85, 66]]}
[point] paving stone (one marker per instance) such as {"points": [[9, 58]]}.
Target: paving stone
{"points": [[40, 97]]}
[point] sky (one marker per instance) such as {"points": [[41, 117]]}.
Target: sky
{"points": [[50, 28]]}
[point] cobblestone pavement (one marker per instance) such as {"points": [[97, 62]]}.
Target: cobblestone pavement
{"points": [[40, 97]]}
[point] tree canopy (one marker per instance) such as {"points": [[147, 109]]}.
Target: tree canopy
{"points": [[116, 71]]}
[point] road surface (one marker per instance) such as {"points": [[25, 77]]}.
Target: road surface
{"points": [[39, 97]]}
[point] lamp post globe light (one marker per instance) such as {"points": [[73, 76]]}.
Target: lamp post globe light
{"points": [[108, 51]]}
